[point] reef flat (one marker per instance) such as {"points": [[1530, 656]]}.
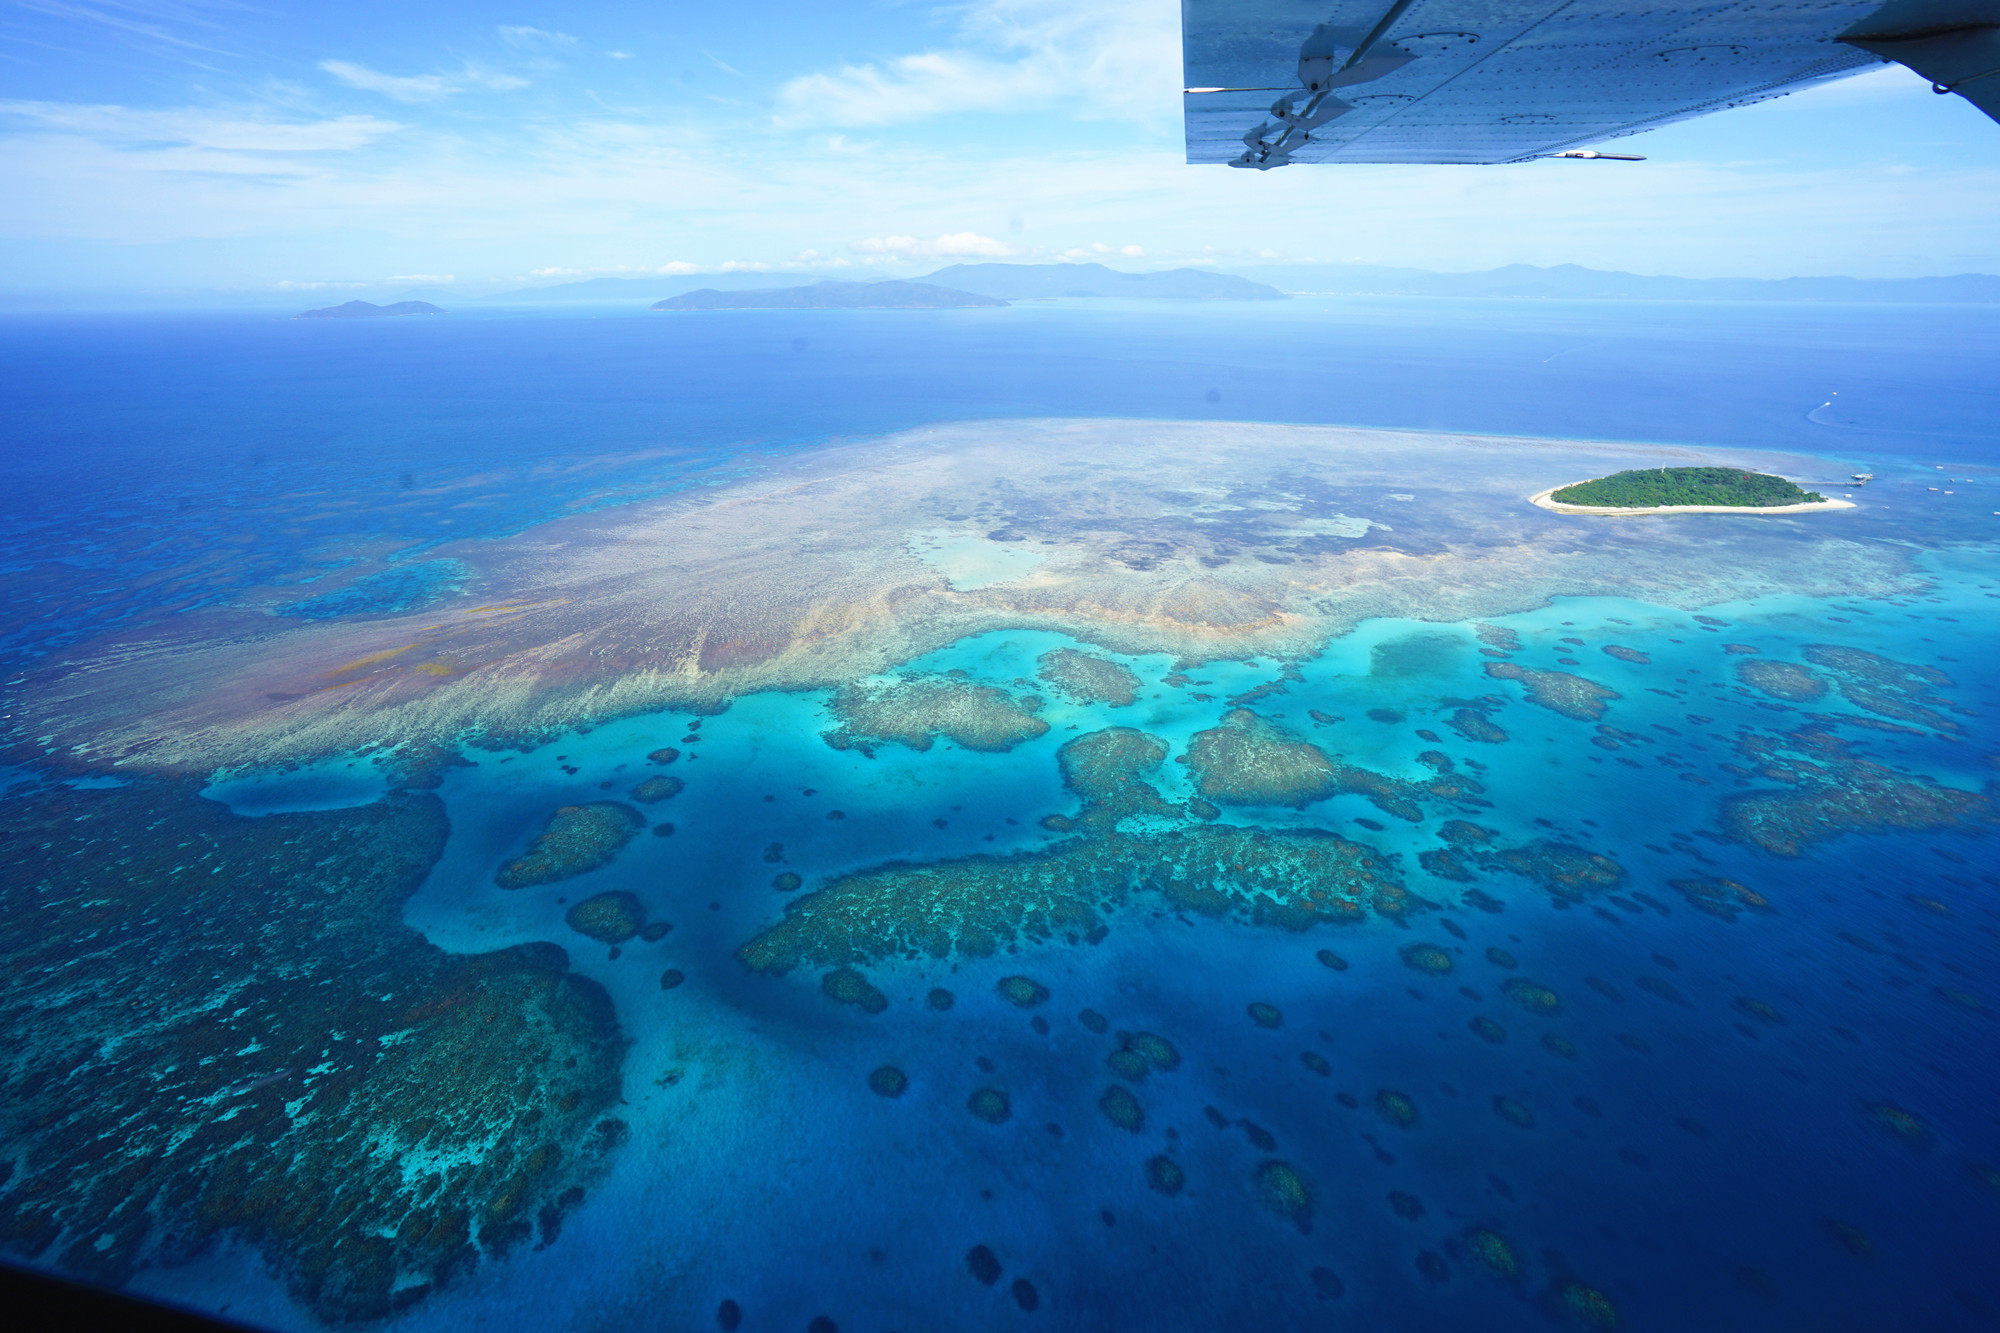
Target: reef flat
{"points": [[1201, 540], [219, 1027]]}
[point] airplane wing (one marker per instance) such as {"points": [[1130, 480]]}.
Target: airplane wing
{"points": [[1270, 82]]}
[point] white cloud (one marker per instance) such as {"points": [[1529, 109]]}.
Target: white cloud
{"points": [[618, 55], [960, 244], [536, 39], [419, 87], [1115, 57], [201, 129], [435, 279]]}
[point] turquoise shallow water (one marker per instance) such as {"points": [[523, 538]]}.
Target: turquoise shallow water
{"points": [[1700, 1163], [1683, 1146]]}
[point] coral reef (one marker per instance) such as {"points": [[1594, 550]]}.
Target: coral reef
{"points": [[1328, 958], [1474, 725], [1499, 957], [983, 1264], [1513, 1112], [1396, 1108], [975, 906], [666, 754], [1490, 1250], [576, 839], [1425, 958], [1285, 1192], [849, 987], [1627, 654], [1164, 1174], [1265, 1015], [1532, 996], [1832, 792], [786, 881], [1121, 1108], [608, 918], [1247, 760], [916, 711], [1110, 770], [1884, 686], [888, 1081], [1557, 691], [1568, 872], [1590, 1305], [990, 1105], [247, 1041], [1561, 1046], [1781, 680], [1903, 1124], [1720, 897], [1087, 678], [1022, 992], [1487, 1030], [660, 787]]}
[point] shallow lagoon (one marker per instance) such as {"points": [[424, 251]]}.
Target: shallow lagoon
{"points": [[1695, 1160]]}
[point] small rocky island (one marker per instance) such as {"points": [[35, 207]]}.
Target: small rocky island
{"points": [[369, 310], [1694, 488], [889, 295]]}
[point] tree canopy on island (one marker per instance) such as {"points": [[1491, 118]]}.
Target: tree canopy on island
{"points": [[1650, 487]]}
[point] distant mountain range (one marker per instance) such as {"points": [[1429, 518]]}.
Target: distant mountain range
{"points": [[1020, 281], [1573, 282], [1565, 282], [1008, 282], [651, 288], [368, 310], [888, 295]]}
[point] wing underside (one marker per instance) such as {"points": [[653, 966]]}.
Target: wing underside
{"points": [[1482, 81]]}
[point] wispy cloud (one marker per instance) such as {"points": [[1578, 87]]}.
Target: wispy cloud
{"points": [[419, 87], [958, 244], [525, 38], [432, 279], [1117, 58], [201, 129], [152, 21]]}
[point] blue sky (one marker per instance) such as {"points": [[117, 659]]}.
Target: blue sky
{"points": [[226, 144]]}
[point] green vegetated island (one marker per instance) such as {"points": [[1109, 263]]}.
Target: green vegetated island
{"points": [[1676, 487], [369, 310]]}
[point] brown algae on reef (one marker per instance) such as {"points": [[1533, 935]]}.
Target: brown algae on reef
{"points": [[608, 918], [1086, 678], [848, 986], [916, 712], [576, 839], [660, 787], [1557, 691], [1781, 680], [1532, 996], [1425, 958]]}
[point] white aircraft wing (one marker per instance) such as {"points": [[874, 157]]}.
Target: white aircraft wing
{"points": [[1270, 82]]}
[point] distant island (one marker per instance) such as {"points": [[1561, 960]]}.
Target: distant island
{"points": [[1695, 489], [1019, 281], [890, 295], [367, 310]]}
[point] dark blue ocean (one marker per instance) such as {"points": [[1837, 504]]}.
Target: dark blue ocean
{"points": [[1731, 1117]]}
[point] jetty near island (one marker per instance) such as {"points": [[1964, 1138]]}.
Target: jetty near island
{"points": [[1685, 490]]}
